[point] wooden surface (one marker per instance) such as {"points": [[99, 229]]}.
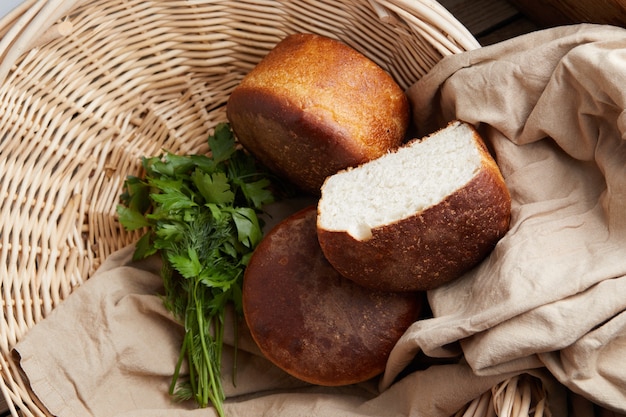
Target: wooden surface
{"points": [[490, 21], [559, 12]]}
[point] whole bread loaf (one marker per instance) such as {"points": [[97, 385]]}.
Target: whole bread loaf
{"points": [[313, 106], [416, 218], [312, 322]]}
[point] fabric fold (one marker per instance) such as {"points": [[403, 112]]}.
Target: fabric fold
{"points": [[551, 105]]}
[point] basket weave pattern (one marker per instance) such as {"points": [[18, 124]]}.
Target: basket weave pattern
{"points": [[88, 88]]}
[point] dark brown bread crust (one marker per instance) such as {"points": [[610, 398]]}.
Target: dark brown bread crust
{"points": [[433, 247], [309, 320], [314, 106], [429, 249]]}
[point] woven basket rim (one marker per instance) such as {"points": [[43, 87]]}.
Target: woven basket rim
{"points": [[36, 22]]}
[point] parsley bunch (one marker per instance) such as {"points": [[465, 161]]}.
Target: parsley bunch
{"points": [[200, 214]]}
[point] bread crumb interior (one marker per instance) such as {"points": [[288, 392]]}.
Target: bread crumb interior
{"points": [[399, 184]]}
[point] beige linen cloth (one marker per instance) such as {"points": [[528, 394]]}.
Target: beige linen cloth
{"points": [[550, 300]]}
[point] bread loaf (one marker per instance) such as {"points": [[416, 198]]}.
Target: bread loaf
{"points": [[417, 218], [313, 106], [309, 320]]}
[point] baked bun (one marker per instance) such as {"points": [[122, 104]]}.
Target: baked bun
{"points": [[309, 320], [313, 106], [417, 218]]}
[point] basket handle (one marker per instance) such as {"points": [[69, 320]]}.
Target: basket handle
{"points": [[34, 22]]}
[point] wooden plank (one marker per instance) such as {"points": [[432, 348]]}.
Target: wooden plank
{"points": [[481, 16], [516, 27], [549, 13]]}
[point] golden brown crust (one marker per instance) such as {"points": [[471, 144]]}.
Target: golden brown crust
{"points": [[309, 320], [434, 246], [314, 106]]}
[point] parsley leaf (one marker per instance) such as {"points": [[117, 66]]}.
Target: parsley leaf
{"points": [[215, 188], [222, 143], [132, 219]]}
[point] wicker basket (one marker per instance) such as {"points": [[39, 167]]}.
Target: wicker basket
{"points": [[88, 87]]}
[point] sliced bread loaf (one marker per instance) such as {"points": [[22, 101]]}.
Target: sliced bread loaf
{"points": [[418, 217]]}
